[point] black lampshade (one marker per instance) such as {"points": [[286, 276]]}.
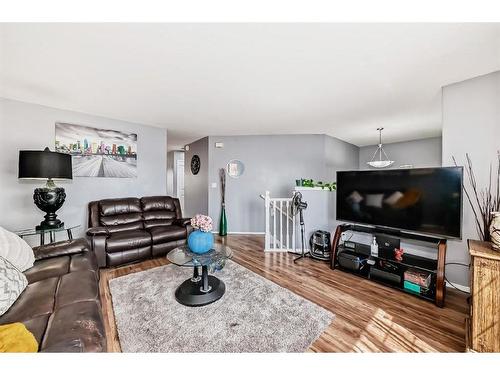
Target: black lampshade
{"points": [[44, 164]]}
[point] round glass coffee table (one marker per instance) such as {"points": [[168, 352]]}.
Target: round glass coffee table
{"points": [[202, 289]]}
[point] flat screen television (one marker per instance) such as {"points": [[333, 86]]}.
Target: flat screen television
{"points": [[421, 200]]}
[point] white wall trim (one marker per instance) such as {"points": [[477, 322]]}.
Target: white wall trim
{"points": [[217, 232], [460, 287]]}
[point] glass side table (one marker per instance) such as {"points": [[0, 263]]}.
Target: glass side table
{"points": [[51, 232], [202, 289]]}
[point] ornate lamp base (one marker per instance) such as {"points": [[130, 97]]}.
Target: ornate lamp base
{"points": [[49, 199]]}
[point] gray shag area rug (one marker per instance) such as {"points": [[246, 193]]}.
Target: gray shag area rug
{"points": [[254, 315]]}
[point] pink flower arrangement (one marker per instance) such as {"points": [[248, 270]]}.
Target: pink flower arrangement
{"points": [[202, 222]]}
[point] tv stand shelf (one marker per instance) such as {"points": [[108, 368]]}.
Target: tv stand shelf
{"points": [[434, 267]]}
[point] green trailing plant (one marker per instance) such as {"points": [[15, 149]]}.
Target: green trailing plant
{"points": [[323, 185]]}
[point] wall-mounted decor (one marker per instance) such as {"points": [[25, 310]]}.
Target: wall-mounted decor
{"points": [[195, 164], [235, 168], [98, 152]]}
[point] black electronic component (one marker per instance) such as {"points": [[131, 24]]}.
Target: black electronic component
{"points": [[320, 245]]}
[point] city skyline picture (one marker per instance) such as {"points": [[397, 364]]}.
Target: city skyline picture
{"points": [[98, 152]]}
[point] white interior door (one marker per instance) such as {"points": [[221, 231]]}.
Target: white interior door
{"points": [[180, 182]]}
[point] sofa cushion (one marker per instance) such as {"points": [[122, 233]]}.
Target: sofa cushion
{"points": [[159, 210], [61, 265], [120, 223], [120, 214], [47, 268], [127, 240], [37, 299], [167, 233], [56, 249], [37, 326], [85, 261], [158, 218], [77, 286], [120, 206], [128, 256], [162, 249], [77, 321], [158, 203]]}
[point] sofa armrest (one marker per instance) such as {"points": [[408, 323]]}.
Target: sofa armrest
{"points": [[98, 236], [182, 222], [60, 248], [96, 231]]}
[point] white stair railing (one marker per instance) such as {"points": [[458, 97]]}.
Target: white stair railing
{"points": [[280, 225]]}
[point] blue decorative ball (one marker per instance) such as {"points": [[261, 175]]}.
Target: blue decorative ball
{"points": [[200, 242]]}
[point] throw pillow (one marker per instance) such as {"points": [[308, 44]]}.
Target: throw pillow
{"points": [[12, 284], [374, 200], [16, 250], [15, 338]]}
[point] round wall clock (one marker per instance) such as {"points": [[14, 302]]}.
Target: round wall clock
{"points": [[195, 164]]}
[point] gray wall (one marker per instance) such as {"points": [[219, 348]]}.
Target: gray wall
{"points": [[339, 155], [272, 162], [196, 186], [471, 124], [419, 153], [31, 126]]}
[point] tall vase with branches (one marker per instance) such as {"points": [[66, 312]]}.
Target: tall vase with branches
{"points": [[483, 201], [223, 219]]}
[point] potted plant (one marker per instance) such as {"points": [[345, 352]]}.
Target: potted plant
{"points": [[201, 240]]}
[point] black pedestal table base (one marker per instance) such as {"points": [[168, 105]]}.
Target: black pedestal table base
{"points": [[200, 291]]}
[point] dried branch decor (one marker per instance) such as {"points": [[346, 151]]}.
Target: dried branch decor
{"points": [[483, 201], [223, 219]]}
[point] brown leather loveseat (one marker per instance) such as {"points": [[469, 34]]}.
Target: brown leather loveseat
{"points": [[128, 230], [61, 305]]}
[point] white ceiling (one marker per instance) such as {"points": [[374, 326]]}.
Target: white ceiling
{"points": [[227, 79]]}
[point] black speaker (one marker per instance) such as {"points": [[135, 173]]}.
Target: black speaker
{"points": [[350, 260]]}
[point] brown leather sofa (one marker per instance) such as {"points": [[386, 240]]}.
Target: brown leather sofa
{"points": [[61, 305], [128, 230]]}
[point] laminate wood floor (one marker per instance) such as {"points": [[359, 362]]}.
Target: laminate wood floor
{"points": [[368, 317]]}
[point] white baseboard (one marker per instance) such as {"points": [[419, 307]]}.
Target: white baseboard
{"points": [[260, 233], [463, 288]]}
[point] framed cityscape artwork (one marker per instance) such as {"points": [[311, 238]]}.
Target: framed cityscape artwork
{"points": [[98, 152]]}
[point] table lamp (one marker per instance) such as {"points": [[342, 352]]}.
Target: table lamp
{"points": [[50, 166]]}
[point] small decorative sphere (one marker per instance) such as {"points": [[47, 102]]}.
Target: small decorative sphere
{"points": [[200, 242]]}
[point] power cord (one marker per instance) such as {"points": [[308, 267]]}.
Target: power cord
{"points": [[454, 286], [448, 281]]}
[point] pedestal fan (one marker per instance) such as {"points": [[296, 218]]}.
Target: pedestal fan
{"points": [[297, 207]]}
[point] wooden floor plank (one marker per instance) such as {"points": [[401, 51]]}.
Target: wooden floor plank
{"points": [[368, 317]]}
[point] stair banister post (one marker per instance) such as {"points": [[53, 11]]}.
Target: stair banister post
{"points": [[267, 236]]}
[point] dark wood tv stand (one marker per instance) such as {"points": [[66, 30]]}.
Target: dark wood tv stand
{"points": [[434, 266]]}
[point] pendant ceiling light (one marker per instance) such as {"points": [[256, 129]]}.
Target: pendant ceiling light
{"points": [[380, 163]]}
